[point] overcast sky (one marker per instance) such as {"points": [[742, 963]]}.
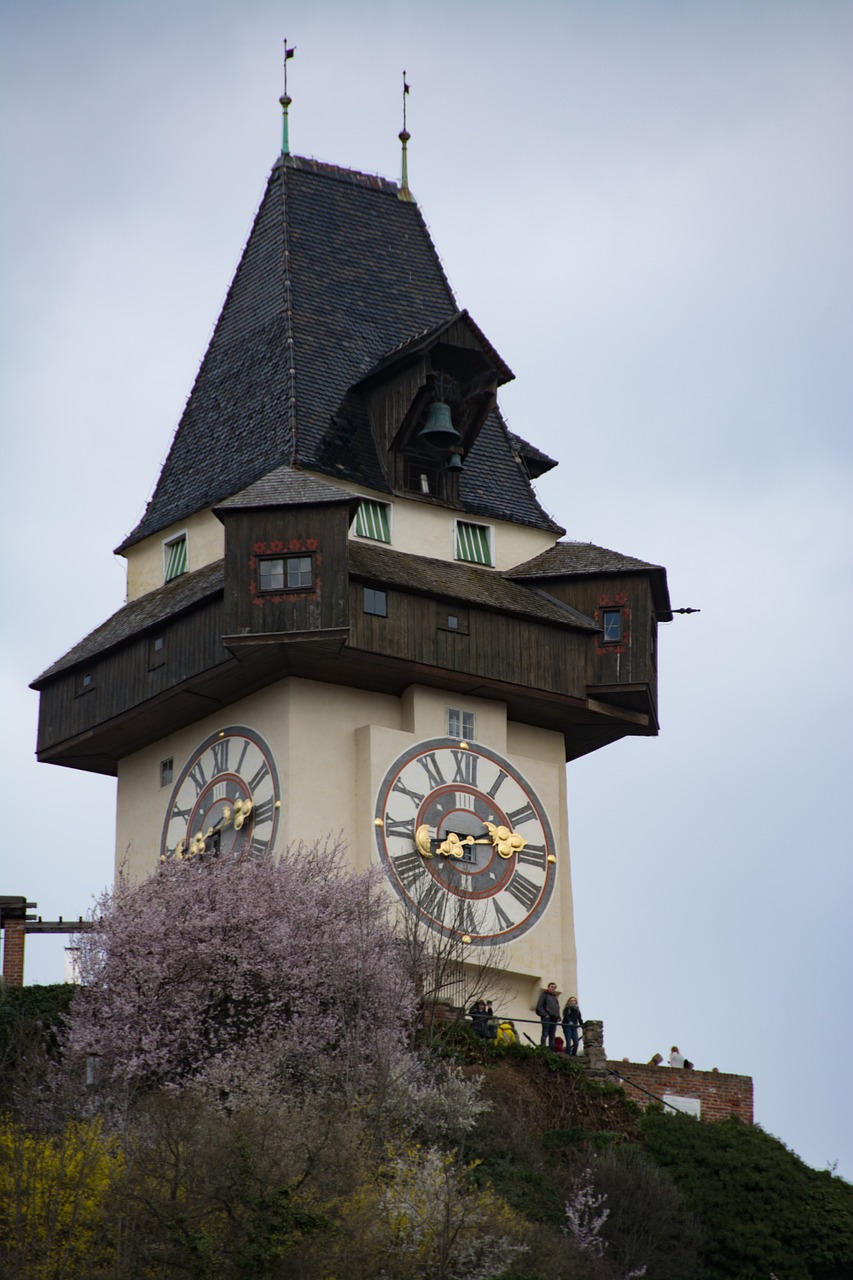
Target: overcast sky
{"points": [[647, 208]]}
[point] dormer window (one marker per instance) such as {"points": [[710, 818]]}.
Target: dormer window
{"points": [[176, 557], [474, 542], [373, 520]]}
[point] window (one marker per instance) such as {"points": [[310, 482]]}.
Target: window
{"points": [[373, 520], [157, 652], [285, 573], [473, 543], [167, 772], [611, 625], [451, 617], [376, 601], [85, 682], [460, 724], [423, 477], [175, 557]]}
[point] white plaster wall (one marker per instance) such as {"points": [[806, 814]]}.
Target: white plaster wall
{"points": [[422, 529], [332, 747], [417, 528], [145, 562]]}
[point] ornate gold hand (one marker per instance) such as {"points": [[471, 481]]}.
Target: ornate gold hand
{"points": [[198, 844], [504, 841]]}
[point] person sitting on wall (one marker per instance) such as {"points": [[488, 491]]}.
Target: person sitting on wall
{"points": [[548, 1011], [655, 1060], [572, 1024], [676, 1057], [479, 1015], [688, 1065]]}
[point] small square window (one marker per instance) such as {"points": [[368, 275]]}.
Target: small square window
{"points": [[373, 520], [376, 602], [285, 573], [176, 557], [611, 625], [453, 618], [460, 724], [167, 772], [473, 543], [85, 682]]}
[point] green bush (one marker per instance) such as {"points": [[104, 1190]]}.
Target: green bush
{"points": [[762, 1209]]}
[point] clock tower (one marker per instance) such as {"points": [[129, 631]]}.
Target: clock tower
{"points": [[346, 610]]}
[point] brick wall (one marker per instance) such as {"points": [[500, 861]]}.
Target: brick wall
{"points": [[13, 952], [719, 1093]]}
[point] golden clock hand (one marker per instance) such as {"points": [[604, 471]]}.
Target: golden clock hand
{"points": [[505, 841]]}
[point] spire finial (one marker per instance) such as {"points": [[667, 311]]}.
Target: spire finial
{"points": [[404, 193], [285, 102]]}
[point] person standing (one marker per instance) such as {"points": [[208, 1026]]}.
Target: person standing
{"points": [[572, 1023], [548, 1011]]}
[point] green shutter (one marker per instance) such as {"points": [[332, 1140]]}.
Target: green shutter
{"points": [[472, 543], [373, 520], [176, 558]]}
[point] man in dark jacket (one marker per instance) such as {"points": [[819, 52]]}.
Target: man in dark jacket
{"points": [[548, 1010]]}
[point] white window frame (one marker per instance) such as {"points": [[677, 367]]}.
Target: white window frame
{"points": [[168, 543], [378, 503], [463, 716], [489, 530]]}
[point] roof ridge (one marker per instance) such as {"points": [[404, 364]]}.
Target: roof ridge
{"points": [[339, 173]]}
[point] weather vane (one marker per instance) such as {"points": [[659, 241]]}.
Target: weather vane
{"points": [[285, 102], [404, 135]]}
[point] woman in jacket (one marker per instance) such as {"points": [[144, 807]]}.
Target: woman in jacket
{"points": [[572, 1023]]}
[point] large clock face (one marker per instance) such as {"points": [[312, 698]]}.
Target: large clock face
{"points": [[226, 800], [466, 841]]}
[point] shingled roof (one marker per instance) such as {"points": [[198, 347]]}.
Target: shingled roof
{"points": [[456, 581], [585, 559], [337, 274], [151, 610]]}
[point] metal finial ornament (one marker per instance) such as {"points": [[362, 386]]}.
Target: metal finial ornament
{"points": [[404, 193], [285, 101]]}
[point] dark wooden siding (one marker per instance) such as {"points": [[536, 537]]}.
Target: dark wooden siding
{"points": [[496, 647], [316, 532], [126, 678], [631, 661]]}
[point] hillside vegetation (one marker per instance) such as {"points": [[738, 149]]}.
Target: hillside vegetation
{"points": [[247, 1096]]}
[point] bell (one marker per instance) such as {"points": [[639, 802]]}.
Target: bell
{"points": [[454, 462], [438, 431]]}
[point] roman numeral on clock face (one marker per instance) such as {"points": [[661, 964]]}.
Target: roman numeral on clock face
{"points": [[504, 921], [534, 855], [519, 816], [400, 827], [264, 812], [198, 777], [408, 868], [431, 767], [415, 796], [221, 751], [523, 890], [466, 767]]}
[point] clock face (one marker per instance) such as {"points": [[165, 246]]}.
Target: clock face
{"points": [[226, 800], [465, 841]]}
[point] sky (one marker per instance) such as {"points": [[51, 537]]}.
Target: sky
{"points": [[647, 208]]}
